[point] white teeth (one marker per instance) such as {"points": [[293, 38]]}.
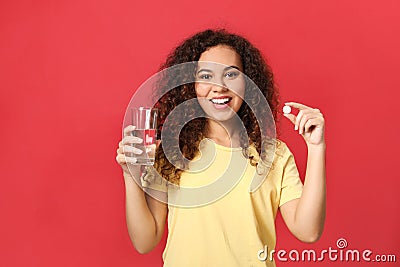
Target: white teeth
{"points": [[220, 100]]}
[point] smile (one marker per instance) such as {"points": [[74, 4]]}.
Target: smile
{"points": [[221, 101]]}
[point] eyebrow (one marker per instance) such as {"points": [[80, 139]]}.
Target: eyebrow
{"points": [[227, 68]]}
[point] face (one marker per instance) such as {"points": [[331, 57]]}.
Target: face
{"points": [[220, 83]]}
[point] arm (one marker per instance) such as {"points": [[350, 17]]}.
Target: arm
{"points": [[305, 217], [145, 217]]}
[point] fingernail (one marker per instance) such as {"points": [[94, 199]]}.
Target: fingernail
{"points": [[295, 127]]}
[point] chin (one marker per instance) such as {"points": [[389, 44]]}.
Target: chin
{"points": [[222, 117]]}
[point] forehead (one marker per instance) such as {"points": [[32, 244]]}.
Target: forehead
{"points": [[222, 55]]}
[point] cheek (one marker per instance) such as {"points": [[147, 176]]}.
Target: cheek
{"points": [[237, 87], [201, 89], [240, 93], [238, 104]]}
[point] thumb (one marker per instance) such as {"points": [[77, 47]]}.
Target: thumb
{"points": [[291, 117]]}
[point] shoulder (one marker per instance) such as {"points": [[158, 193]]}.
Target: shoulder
{"points": [[281, 147], [282, 152]]}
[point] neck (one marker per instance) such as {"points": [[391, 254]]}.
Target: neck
{"points": [[225, 133]]}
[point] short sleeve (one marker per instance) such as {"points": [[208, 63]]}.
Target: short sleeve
{"points": [[150, 179], [291, 186]]}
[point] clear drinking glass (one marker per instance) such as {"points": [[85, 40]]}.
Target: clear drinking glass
{"points": [[145, 120]]}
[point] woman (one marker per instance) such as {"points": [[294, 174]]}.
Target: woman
{"points": [[230, 230]]}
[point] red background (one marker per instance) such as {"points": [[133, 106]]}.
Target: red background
{"points": [[69, 68]]}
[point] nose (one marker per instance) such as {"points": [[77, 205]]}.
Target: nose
{"points": [[217, 88]]}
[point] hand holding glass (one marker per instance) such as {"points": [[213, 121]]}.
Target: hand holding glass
{"points": [[145, 121]]}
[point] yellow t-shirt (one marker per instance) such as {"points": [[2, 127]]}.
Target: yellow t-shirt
{"points": [[229, 228]]}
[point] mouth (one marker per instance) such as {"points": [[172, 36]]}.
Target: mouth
{"points": [[221, 101]]}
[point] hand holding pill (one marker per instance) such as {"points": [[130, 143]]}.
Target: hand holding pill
{"points": [[309, 122]]}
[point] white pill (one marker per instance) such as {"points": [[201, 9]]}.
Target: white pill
{"points": [[286, 109]]}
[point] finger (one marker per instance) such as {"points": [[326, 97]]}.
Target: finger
{"points": [[150, 150], [315, 117], [303, 122], [130, 159], [310, 123], [128, 129], [127, 140], [131, 149], [300, 115], [308, 116], [121, 159], [291, 117], [298, 119], [297, 105]]}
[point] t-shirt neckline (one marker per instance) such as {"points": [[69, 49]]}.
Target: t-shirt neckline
{"points": [[225, 148]]}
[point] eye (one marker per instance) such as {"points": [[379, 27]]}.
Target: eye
{"points": [[232, 75], [205, 76]]}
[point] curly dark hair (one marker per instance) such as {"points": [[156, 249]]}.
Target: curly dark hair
{"points": [[187, 137]]}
